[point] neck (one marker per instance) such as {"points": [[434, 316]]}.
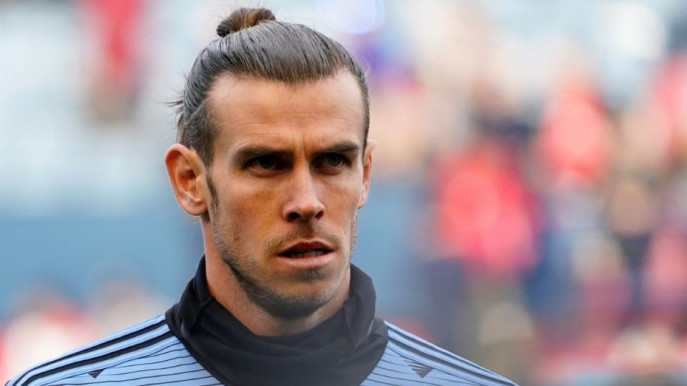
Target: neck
{"points": [[226, 289]]}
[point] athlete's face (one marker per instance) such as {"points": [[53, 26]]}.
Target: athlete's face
{"points": [[288, 175]]}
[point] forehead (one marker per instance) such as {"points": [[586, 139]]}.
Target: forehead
{"points": [[249, 109]]}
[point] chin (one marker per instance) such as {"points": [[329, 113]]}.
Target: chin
{"points": [[302, 300], [296, 307]]}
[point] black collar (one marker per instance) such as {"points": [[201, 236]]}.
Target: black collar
{"points": [[342, 350]]}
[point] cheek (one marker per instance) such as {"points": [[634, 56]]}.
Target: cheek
{"points": [[342, 200], [245, 206]]}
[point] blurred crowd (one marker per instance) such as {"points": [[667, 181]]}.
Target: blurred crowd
{"points": [[547, 156], [552, 233]]}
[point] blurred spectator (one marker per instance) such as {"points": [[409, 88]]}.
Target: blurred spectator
{"points": [[116, 27], [485, 215], [121, 303], [48, 324], [632, 210], [573, 142]]}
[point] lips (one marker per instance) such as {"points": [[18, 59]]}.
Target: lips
{"points": [[305, 249]]}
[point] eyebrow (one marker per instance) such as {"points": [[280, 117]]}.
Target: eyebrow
{"points": [[351, 148], [249, 152]]}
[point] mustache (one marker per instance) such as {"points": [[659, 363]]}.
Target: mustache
{"points": [[303, 232]]}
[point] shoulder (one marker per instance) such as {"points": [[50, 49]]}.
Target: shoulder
{"points": [[409, 359], [147, 350]]}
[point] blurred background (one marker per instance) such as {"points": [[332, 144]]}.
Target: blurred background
{"points": [[529, 202]]}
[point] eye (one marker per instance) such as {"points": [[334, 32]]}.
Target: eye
{"points": [[332, 163], [334, 160], [265, 163]]}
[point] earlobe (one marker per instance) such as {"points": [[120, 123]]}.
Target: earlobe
{"points": [[187, 175], [367, 171], [363, 198]]}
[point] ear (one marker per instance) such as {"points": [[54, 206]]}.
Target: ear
{"points": [[367, 171], [187, 176]]}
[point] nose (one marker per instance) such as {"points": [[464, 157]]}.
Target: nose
{"points": [[303, 201]]}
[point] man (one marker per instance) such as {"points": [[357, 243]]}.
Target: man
{"points": [[273, 157]]}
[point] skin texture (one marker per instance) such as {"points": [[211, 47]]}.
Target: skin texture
{"points": [[288, 167]]}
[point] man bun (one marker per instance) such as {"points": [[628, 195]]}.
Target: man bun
{"points": [[244, 18]]}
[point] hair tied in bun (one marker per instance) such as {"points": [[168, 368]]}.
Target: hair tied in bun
{"points": [[244, 18]]}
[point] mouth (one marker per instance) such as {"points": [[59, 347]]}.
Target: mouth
{"points": [[306, 249]]}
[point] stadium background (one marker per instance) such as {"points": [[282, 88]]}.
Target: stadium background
{"points": [[529, 203]]}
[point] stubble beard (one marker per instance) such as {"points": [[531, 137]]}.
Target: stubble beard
{"points": [[278, 304]]}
